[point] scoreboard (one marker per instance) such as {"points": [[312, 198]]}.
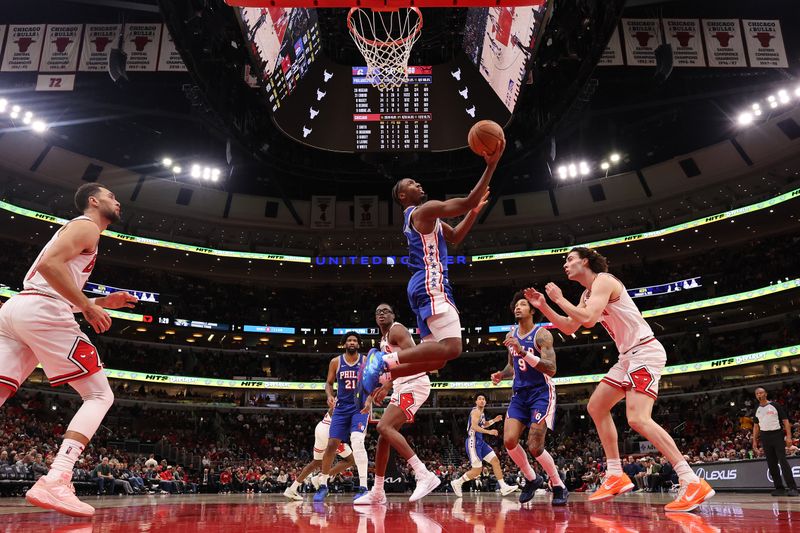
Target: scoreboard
{"points": [[397, 119]]}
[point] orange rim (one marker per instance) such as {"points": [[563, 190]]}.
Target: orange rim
{"points": [[371, 42]]}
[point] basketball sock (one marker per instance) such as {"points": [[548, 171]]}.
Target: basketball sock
{"points": [[685, 472], [465, 478], [520, 459], [614, 467], [418, 467], [391, 360], [97, 400], [549, 466], [378, 486], [62, 466], [323, 479], [360, 456], [502, 483]]}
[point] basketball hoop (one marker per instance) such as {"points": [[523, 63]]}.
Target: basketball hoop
{"points": [[385, 39]]}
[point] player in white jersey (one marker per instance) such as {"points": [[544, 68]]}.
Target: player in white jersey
{"points": [[321, 433], [38, 326], [634, 377], [409, 394]]}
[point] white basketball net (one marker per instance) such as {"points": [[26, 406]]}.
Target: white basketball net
{"points": [[385, 39]]}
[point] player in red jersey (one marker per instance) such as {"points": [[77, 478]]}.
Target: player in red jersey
{"points": [[38, 326], [634, 377]]}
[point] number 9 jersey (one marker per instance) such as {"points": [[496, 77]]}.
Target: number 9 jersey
{"points": [[534, 397]]}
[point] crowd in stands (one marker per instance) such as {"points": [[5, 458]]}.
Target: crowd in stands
{"points": [[207, 450]]}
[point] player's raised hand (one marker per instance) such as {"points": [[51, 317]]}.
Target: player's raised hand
{"points": [[498, 153], [534, 297], [482, 203], [513, 344], [116, 300], [553, 292], [97, 317], [497, 377], [498, 418]]}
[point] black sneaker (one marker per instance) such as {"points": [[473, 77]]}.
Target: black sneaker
{"points": [[530, 489], [780, 492], [560, 496], [791, 492]]}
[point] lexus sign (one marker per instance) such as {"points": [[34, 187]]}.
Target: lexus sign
{"points": [[752, 474]]}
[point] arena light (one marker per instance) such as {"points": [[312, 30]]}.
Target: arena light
{"points": [[573, 170], [4, 104], [584, 168], [167, 162], [39, 126], [745, 118], [562, 172], [604, 165], [215, 174], [206, 173], [797, 91], [614, 157], [196, 171], [176, 169], [783, 96]]}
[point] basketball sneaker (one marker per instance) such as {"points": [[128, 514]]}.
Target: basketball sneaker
{"points": [[373, 497], [315, 482], [58, 495], [529, 490], [505, 490], [560, 496], [292, 494], [360, 491], [321, 493], [612, 485], [456, 484], [690, 496], [369, 375], [425, 486]]}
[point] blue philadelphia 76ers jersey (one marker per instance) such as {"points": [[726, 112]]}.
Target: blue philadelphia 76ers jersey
{"points": [[526, 376], [347, 378]]}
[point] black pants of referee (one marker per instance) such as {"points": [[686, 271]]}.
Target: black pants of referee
{"points": [[775, 452]]}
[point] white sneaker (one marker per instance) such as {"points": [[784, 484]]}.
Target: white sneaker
{"points": [[456, 484], [508, 489], [59, 496], [425, 486], [315, 482], [372, 497], [292, 494]]}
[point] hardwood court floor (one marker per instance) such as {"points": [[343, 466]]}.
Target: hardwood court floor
{"points": [[437, 513]]}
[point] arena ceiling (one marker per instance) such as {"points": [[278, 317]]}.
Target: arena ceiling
{"points": [[573, 111]]}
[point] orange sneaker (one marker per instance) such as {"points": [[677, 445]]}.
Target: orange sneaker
{"points": [[690, 496], [611, 486], [59, 496]]}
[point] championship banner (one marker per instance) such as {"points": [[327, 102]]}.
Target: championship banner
{"points": [[141, 45], [60, 50], [642, 37], [765, 43], [2, 35], [23, 48], [98, 40], [365, 212], [724, 43], [687, 43], [612, 55], [169, 60], [323, 212]]}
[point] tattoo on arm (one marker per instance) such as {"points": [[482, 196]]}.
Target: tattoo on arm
{"points": [[547, 362]]}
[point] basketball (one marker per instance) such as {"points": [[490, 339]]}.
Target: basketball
{"points": [[485, 136]]}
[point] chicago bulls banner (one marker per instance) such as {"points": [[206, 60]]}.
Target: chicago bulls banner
{"points": [[765, 43], [612, 55], [323, 212], [141, 45], [60, 49], [724, 43], [642, 37], [169, 59], [98, 40], [2, 35], [23, 48], [687, 43], [365, 212]]}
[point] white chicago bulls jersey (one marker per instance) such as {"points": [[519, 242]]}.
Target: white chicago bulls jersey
{"points": [[623, 321], [79, 267], [388, 348]]}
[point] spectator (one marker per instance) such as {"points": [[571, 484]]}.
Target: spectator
{"points": [[103, 476]]}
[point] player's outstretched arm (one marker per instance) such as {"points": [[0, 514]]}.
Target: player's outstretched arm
{"points": [[456, 235], [587, 312], [565, 324], [547, 363]]}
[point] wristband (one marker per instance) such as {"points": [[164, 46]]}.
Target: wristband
{"points": [[532, 358]]}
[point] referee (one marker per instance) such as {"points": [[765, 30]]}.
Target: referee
{"points": [[769, 419]]}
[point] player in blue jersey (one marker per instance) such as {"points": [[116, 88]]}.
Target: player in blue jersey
{"points": [[532, 363], [348, 423], [429, 293], [479, 451]]}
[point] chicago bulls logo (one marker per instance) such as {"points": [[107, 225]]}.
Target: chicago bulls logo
{"points": [[642, 380], [141, 41], [723, 37], [406, 403], [764, 38], [62, 43], [24, 43], [100, 43], [643, 37], [683, 38]]}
